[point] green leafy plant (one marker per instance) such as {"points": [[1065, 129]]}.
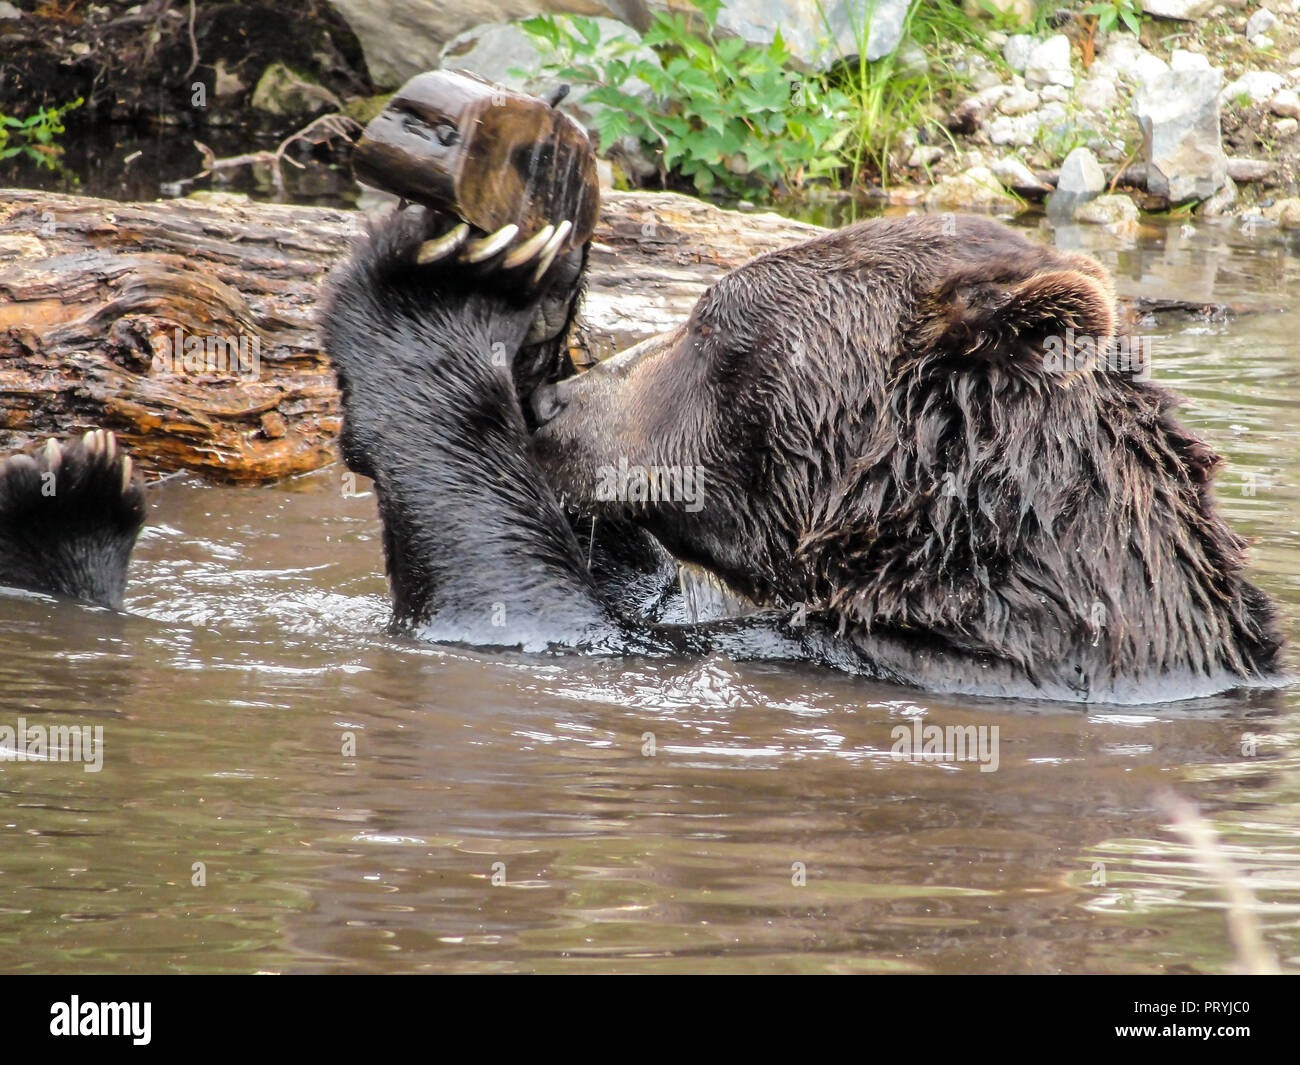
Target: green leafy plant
{"points": [[720, 113], [1110, 13], [34, 136]]}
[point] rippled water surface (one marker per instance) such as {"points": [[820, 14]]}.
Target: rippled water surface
{"points": [[256, 655]]}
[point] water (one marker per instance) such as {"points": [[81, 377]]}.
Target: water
{"points": [[256, 648]]}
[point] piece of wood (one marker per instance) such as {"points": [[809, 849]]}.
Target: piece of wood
{"points": [[93, 292], [491, 156]]}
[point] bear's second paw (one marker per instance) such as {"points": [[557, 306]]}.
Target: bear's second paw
{"points": [[69, 517]]}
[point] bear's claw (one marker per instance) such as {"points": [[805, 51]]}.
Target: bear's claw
{"points": [[485, 247], [549, 251], [542, 247], [521, 253], [440, 247]]}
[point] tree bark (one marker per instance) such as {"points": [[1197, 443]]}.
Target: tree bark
{"points": [[95, 295]]}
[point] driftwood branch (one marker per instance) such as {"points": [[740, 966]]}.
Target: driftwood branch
{"points": [[333, 125]]}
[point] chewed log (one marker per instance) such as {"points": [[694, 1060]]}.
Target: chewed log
{"points": [[486, 154]]}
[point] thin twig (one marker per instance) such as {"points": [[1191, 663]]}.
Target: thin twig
{"points": [[334, 125], [194, 44]]}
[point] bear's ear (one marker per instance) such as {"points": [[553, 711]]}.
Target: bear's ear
{"points": [[1002, 316]]}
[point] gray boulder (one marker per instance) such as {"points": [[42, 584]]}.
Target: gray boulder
{"points": [[1081, 180], [1178, 114], [1187, 10]]}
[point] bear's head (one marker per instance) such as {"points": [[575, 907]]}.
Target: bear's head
{"points": [[924, 423]]}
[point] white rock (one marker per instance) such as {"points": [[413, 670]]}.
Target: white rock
{"points": [[1014, 174], [1285, 103], [1260, 22], [1049, 63], [1020, 130], [1182, 59], [1285, 127], [1018, 101], [1017, 50], [1262, 43], [1126, 57], [1186, 10], [8, 11], [1081, 175], [1056, 94], [924, 155], [1258, 85], [1097, 94], [1107, 210], [975, 188], [1178, 115]]}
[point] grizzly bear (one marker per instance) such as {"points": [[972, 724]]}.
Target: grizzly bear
{"points": [[863, 434], [871, 435]]}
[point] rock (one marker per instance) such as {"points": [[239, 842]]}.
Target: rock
{"points": [[493, 51], [1017, 176], [974, 189], [1017, 50], [970, 114], [1056, 94], [1286, 213], [804, 25], [1081, 174], [1097, 94], [1018, 101], [399, 36], [1125, 58], [911, 61], [1178, 114], [924, 155], [1247, 170], [1186, 10], [1260, 22], [1107, 210], [1020, 130], [281, 92], [1255, 85], [1285, 127], [1049, 63], [1182, 59], [1285, 104], [364, 109], [1262, 43], [1021, 10], [1220, 202], [8, 11], [496, 51], [1081, 180]]}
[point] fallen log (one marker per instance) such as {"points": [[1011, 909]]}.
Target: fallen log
{"points": [[188, 327], [101, 302]]}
